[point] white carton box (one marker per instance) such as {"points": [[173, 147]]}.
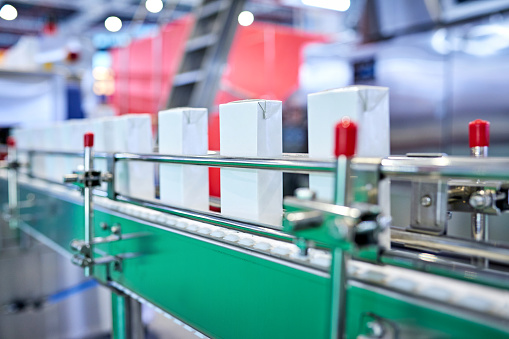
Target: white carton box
{"points": [[115, 141], [251, 128], [97, 126], [368, 106], [138, 131], [184, 131], [71, 135], [131, 133], [39, 160]]}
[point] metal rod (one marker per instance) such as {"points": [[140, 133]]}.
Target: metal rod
{"points": [[213, 218], [12, 188], [88, 204], [119, 315], [425, 262], [469, 248], [288, 163], [342, 180], [479, 221], [338, 293], [442, 167], [400, 167]]}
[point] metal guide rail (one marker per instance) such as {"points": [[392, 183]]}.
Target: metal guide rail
{"points": [[349, 227], [401, 168]]}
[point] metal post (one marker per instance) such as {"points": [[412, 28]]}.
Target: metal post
{"points": [[345, 142], [12, 183], [479, 140], [479, 220], [339, 257], [110, 165], [126, 317], [118, 316], [87, 194], [338, 293], [343, 186]]}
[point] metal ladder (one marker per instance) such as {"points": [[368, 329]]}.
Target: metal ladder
{"points": [[197, 80]]}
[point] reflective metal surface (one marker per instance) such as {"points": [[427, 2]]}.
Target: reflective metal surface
{"points": [[491, 251]]}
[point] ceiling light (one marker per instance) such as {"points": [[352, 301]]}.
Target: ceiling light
{"points": [[336, 5], [246, 18], [154, 6], [113, 24], [8, 12]]}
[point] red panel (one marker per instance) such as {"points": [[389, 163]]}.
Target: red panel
{"points": [[144, 70], [264, 61]]}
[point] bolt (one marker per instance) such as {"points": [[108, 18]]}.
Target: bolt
{"points": [[103, 225], [115, 229], [479, 199], [426, 201]]}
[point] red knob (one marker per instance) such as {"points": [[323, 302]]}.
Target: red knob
{"points": [[11, 142], [88, 139], [479, 133], [346, 138]]}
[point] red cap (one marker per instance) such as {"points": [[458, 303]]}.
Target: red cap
{"points": [[88, 140], [346, 137], [11, 142], [479, 133]]}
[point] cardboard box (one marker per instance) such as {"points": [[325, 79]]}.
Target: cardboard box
{"points": [[368, 106], [131, 133], [251, 128], [184, 131]]}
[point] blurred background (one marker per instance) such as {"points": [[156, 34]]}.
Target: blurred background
{"points": [[446, 62], [443, 60]]}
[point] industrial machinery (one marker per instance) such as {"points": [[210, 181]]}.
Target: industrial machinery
{"points": [[326, 272]]}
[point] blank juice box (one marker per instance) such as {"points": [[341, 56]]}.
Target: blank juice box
{"points": [[184, 131], [251, 128], [131, 133], [97, 126], [368, 106], [115, 141]]}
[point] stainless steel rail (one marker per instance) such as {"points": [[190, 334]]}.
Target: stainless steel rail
{"points": [[392, 167], [213, 218], [442, 167], [290, 163], [491, 251], [446, 268]]}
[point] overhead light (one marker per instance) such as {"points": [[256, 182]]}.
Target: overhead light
{"points": [[154, 6], [8, 12], [336, 5], [113, 24], [246, 18]]}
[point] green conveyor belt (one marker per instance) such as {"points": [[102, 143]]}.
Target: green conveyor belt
{"points": [[227, 292]]}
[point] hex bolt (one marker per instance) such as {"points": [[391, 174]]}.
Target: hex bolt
{"points": [[426, 201]]}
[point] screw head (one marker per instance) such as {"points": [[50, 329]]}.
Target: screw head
{"points": [[426, 201]]}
